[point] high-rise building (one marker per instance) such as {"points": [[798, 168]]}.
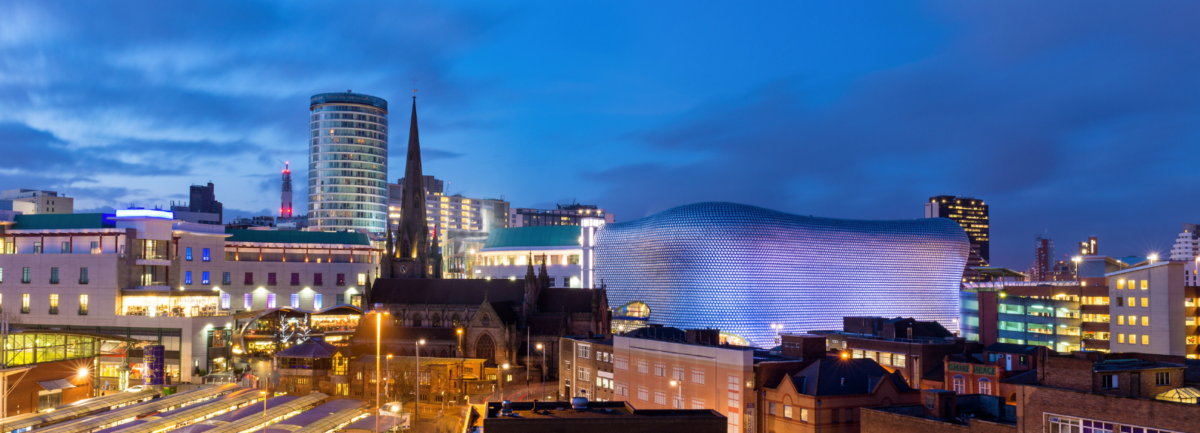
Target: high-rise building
{"points": [[285, 199], [449, 213], [972, 215], [45, 202], [347, 177], [565, 215], [1187, 245], [1154, 309], [202, 206]]}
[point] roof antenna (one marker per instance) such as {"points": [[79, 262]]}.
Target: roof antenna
{"points": [[414, 80]]}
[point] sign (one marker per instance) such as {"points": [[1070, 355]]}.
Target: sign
{"points": [[961, 368], [988, 370], [154, 358]]}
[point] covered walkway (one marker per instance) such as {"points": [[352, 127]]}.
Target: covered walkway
{"points": [[253, 420], [81, 408], [182, 417], [132, 413], [327, 417]]}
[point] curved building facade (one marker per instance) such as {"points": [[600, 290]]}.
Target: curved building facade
{"points": [[742, 269], [347, 169]]}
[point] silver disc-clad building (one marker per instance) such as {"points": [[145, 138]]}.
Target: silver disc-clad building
{"points": [[347, 169], [742, 269]]}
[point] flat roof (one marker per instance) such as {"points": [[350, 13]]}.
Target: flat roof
{"points": [[1131, 364], [296, 237], [533, 237], [595, 409], [64, 221]]}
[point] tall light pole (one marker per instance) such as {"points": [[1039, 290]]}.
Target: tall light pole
{"points": [[378, 377], [264, 397], [679, 384], [417, 382], [500, 386], [541, 348], [387, 389], [462, 386]]}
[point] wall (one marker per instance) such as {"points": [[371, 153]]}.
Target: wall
{"points": [[24, 397], [878, 421], [1034, 402], [1166, 309]]}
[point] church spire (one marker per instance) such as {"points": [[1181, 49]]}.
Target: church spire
{"points": [[413, 233]]}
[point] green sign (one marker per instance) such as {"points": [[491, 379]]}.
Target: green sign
{"points": [[961, 368], [986, 369]]}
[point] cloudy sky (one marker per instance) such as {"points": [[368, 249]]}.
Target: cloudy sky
{"points": [[1070, 119]]}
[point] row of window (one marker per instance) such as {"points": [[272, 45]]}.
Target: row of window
{"points": [[1133, 320], [318, 278], [25, 300], [585, 351], [802, 414], [1133, 339], [204, 255], [1132, 284], [660, 397], [1132, 302], [27, 275], [248, 301]]}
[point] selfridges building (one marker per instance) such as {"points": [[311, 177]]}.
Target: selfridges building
{"points": [[755, 272]]}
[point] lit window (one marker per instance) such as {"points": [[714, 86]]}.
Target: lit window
{"points": [[1145, 320], [362, 279], [270, 300], [1121, 338], [317, 301], [225, 301], [204, 277], [1145, 284], [204, 255], [248, 301], [1120, 320], [1120, 284], [1146, 339], [1145, 302], [83, 305], [188, 254]]}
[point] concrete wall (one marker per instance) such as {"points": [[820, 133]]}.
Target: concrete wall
{"points": [[1165, 293]]}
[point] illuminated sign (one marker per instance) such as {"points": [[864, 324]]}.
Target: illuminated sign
{"points": [[147, 213]]}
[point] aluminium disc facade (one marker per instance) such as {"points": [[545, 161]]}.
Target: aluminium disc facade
{"points": [[741, 269]]}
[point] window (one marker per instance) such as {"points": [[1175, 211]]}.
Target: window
{"points": [[643, 394], [568, 365], [362, 279], [771, 408], [622, 390], [53, 275], [660, 398], [834, 418], [1133, 320], [341, 279], [204, 255], [37, 247], [53, 303], [585, 374], [1121, 338], [804, 414], [898, 360], [1145, 320], [660, 370], [49, 399], [295, 300], [187, 255], [295, 280], [24, 303], [317, 301], [698, 376], [341, 300], [1145, 302], [248, 301], [317, 279], [204, 277], [95, 247], [1145, 284], [187, 277], [225, 278], [622, 363], [1146, 339], [960, 385], [83, 305], [83, 275], [225, 301], [1120, 301], [1162, 379], [985, 386], [677, 373], [24, 275], [270, 300], [271, 280], [1109, 381], [249, 278], [583, 351], [1120, 320], [643, 366]]}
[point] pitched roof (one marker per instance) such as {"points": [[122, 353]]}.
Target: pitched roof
{"points": [[546, 325], [506, 311], [532, 237], [557, 300], [297, 237], [834, 376], [63, 221], [440, 291], [937, 373], [1026, 378], [308, 349]]}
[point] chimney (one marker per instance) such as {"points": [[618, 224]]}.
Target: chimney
{"points": [[940, 403]]}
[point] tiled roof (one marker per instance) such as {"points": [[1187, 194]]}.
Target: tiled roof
{"points": [[308, 349], [63, 221], [557, 300], [533, 237], [1011, 348], [297, 237], [833, 376]]}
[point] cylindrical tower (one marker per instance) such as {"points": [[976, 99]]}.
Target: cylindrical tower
{"points": [[347, 170]]}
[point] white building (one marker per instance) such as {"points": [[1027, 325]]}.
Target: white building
{"points": [[564, 215], [146, 275], [45, 202], [450, 213], [1187, 245], [508, 251]]}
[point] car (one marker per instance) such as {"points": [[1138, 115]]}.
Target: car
{"points": [[135, 388]]}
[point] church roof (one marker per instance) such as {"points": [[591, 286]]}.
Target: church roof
{"points": [[519, 238], [557, 300], [449, 292]]}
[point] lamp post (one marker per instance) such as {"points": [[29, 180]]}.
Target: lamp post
{"points": [[417, 381], [541, 348], [462, 386], [1077, 259], [387, 389], [264, 397], [679, 385], [500, 386], [778, 328], [378, 378]]}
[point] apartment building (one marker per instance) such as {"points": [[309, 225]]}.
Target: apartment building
{"points": [[44, 202], [507, 252], [586, 364], [143, 274], [1155, 311], [446, 213], [913, 348], [562, 215]]}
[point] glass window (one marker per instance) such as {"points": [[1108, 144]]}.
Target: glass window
{"points": [[295, 279], [317, 301], [985, 386], [1145, 302], [362, 279], [24, 303], [249, 278], [270, 300], [83, 305], [225, 278], [341, 279], [66, 248], [187, 255], [187, 277], [53, 303], [271, 281], [1121, 338], [83, 275], [53, 275], [804, 414], [1145, 284], [1146, 339], [248, 302], [204, 277], [787, 411], [317, 279], [224, 300], [698, 376], [583, 351], [295, 300], [204, 255]]}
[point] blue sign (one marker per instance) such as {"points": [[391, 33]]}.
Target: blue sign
{"points": [[154, 357]]}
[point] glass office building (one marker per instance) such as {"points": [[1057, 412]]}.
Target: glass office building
{"points": [[347, 170], [755, 272]]}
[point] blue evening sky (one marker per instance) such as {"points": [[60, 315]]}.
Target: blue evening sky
{"points": [[1070, 118]]}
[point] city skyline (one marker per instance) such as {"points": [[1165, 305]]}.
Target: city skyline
{"points": [[861, 111]]}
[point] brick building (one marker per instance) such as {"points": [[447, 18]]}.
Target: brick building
{"points": [[588, 417], [912, 347], [942, 411], [587, 364], [828, 394]]}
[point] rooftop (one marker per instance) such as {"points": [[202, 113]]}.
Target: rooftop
{"points": [[533, 237], [594, 409], [64, 221], [297, 237], [1130, 364]]}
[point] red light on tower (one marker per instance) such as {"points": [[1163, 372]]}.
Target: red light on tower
{"points": [[285, 208]]}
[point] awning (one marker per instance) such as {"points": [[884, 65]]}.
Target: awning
{"points": [[51, 385]]}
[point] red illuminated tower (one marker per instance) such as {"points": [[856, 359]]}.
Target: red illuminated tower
{"points": [[285, 208]]}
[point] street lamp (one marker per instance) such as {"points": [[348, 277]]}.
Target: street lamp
{"points": [[417, 382], [387, 389], [462, 386], [778, 328], [378, 377], [500, 386], [1077, 259], [264, 397], [680, 385], [1153, 258], [540, 348]]}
